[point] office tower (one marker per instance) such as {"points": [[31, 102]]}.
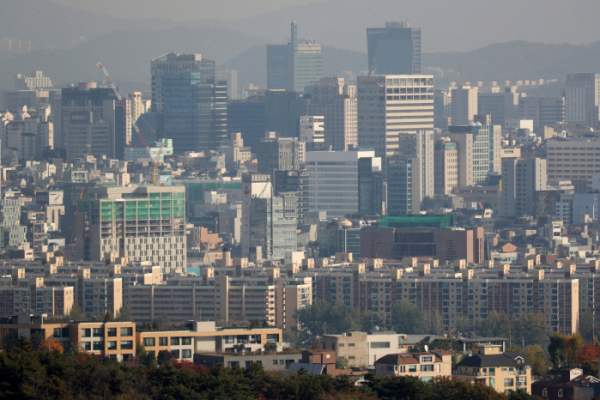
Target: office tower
{"points": [[335, 101], [521, 179], [90, 120], [312, 132], [575, 160], [441, 109], [11, 231], [283, 110], [136, 107], [232, 82], [333, 180], [370, 190], [279, 153], [479, 149], [542, 110], [582, 98], [404, 186], [142, 223], [247, 117], [464, 104], [407, 107], [189, 103], [500, 105], [14, 99], [294, 181], [28, 137], [36, 82], [419, 145], [446, 166], [236, 155], [294, 65], [269, 222], [395, 49]]}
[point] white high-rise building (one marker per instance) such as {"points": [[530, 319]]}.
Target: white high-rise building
{"points": [[419, 145], [36, 82], [312, 130], [333, 180], [463, 107], [582, 98], [391, 105]]}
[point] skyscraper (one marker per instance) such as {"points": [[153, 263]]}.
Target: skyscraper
{"points": [[395, 49], [247, 117], [11, 231], [463, 106], [283, 110], [190, 104], [521, 179], [404, 186], [294, 65], [582, 98], [419, 145], [279, 153], [406, 107], [370, 191]]}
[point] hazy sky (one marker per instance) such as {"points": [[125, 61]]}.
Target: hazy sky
{"points": [[180, 10]]}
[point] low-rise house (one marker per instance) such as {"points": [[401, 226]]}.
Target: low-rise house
{"points": [[323, 361], [425, 366], [571, 384], [505, 372]]}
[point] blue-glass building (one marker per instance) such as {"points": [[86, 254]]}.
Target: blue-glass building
{"points": [[395, 49], [248, 117]]}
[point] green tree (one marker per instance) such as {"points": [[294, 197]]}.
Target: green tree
{"points": [[76, 314], [538, 359], [462, 325], [162, 318], [108, 317], [322, 317], [407, 318], [557, 349], [342, 363], [433, 323], [496, 324], [123, 314], [573, 344], [164, 357], [532, 329], [255, 324]]}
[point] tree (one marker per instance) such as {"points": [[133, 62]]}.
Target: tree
{"points": [[164, 357], [407, 318], [254, 324], [270, 347], [496, 324], [532, 329], [140, 350], [123, 314], [538, 359], [108, 317], [162, 318], [76, 314], [342, 363], [322, 317], [462, 325], [433, 323], [572, 344], [557, 349], [588, 356], [50, 345], [265, 324], [155, 326]]}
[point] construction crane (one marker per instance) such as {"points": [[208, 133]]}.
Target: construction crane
{"points": [[155, 164], [124, 105], [74, 225]]}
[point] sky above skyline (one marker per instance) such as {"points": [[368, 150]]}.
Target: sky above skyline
{"points": [[182, 10]]}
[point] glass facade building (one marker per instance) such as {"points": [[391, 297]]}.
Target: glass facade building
{"points": [[295, 181], [370, 190], [248, 117], [283, 110], [400, 185], [395, 49]]}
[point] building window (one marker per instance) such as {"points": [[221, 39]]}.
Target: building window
{"points": [[274, 362], [350, 344], [175, 353], [412, 368], [560, 393], [427, 368], [380, 345], [111, 332], [112, 346], [545, 392], [175, 341], [186, 353], [492, 382], [86, 345], [426, 359], [97, 332], [98, 346], [186, 341], [150, 341], [126, 345], [163, 341], [508, 382], [126, 331]]}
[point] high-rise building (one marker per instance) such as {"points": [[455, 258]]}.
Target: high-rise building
{"points": [[294, 65], [395, 49], [582, 98], [247, 117], [420, 145], [521, 179], [312, 132], [279, 153], [479, 149], [11, 231], [333, 180], [269, 222], [499, 105], [336, 102], [404, 186], [463, 107], [36, 82], [576, 160], [294, 181], [189, 103], [406, 107], [370, 187], [446, 166], [232, 82], [441, 109], [90, 120], [142, 223], [283, 110], [542, 110]]}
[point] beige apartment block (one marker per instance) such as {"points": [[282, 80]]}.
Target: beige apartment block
{"points": [[425, 366], [575, 160], [505, 372]]}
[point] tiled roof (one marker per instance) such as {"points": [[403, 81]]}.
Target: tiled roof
{"points": [[493, 360]]}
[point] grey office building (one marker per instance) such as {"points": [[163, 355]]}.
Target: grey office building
{"points": [[395, 49]]}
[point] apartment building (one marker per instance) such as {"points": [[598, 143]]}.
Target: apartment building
{"points": [[362, 348], [425, 366], [575, 160], [506, 372]]}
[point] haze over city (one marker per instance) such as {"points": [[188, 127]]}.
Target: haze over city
{"points": [[300, 199]]}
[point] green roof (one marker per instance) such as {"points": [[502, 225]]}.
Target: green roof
{"points": [[417, 220]]}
